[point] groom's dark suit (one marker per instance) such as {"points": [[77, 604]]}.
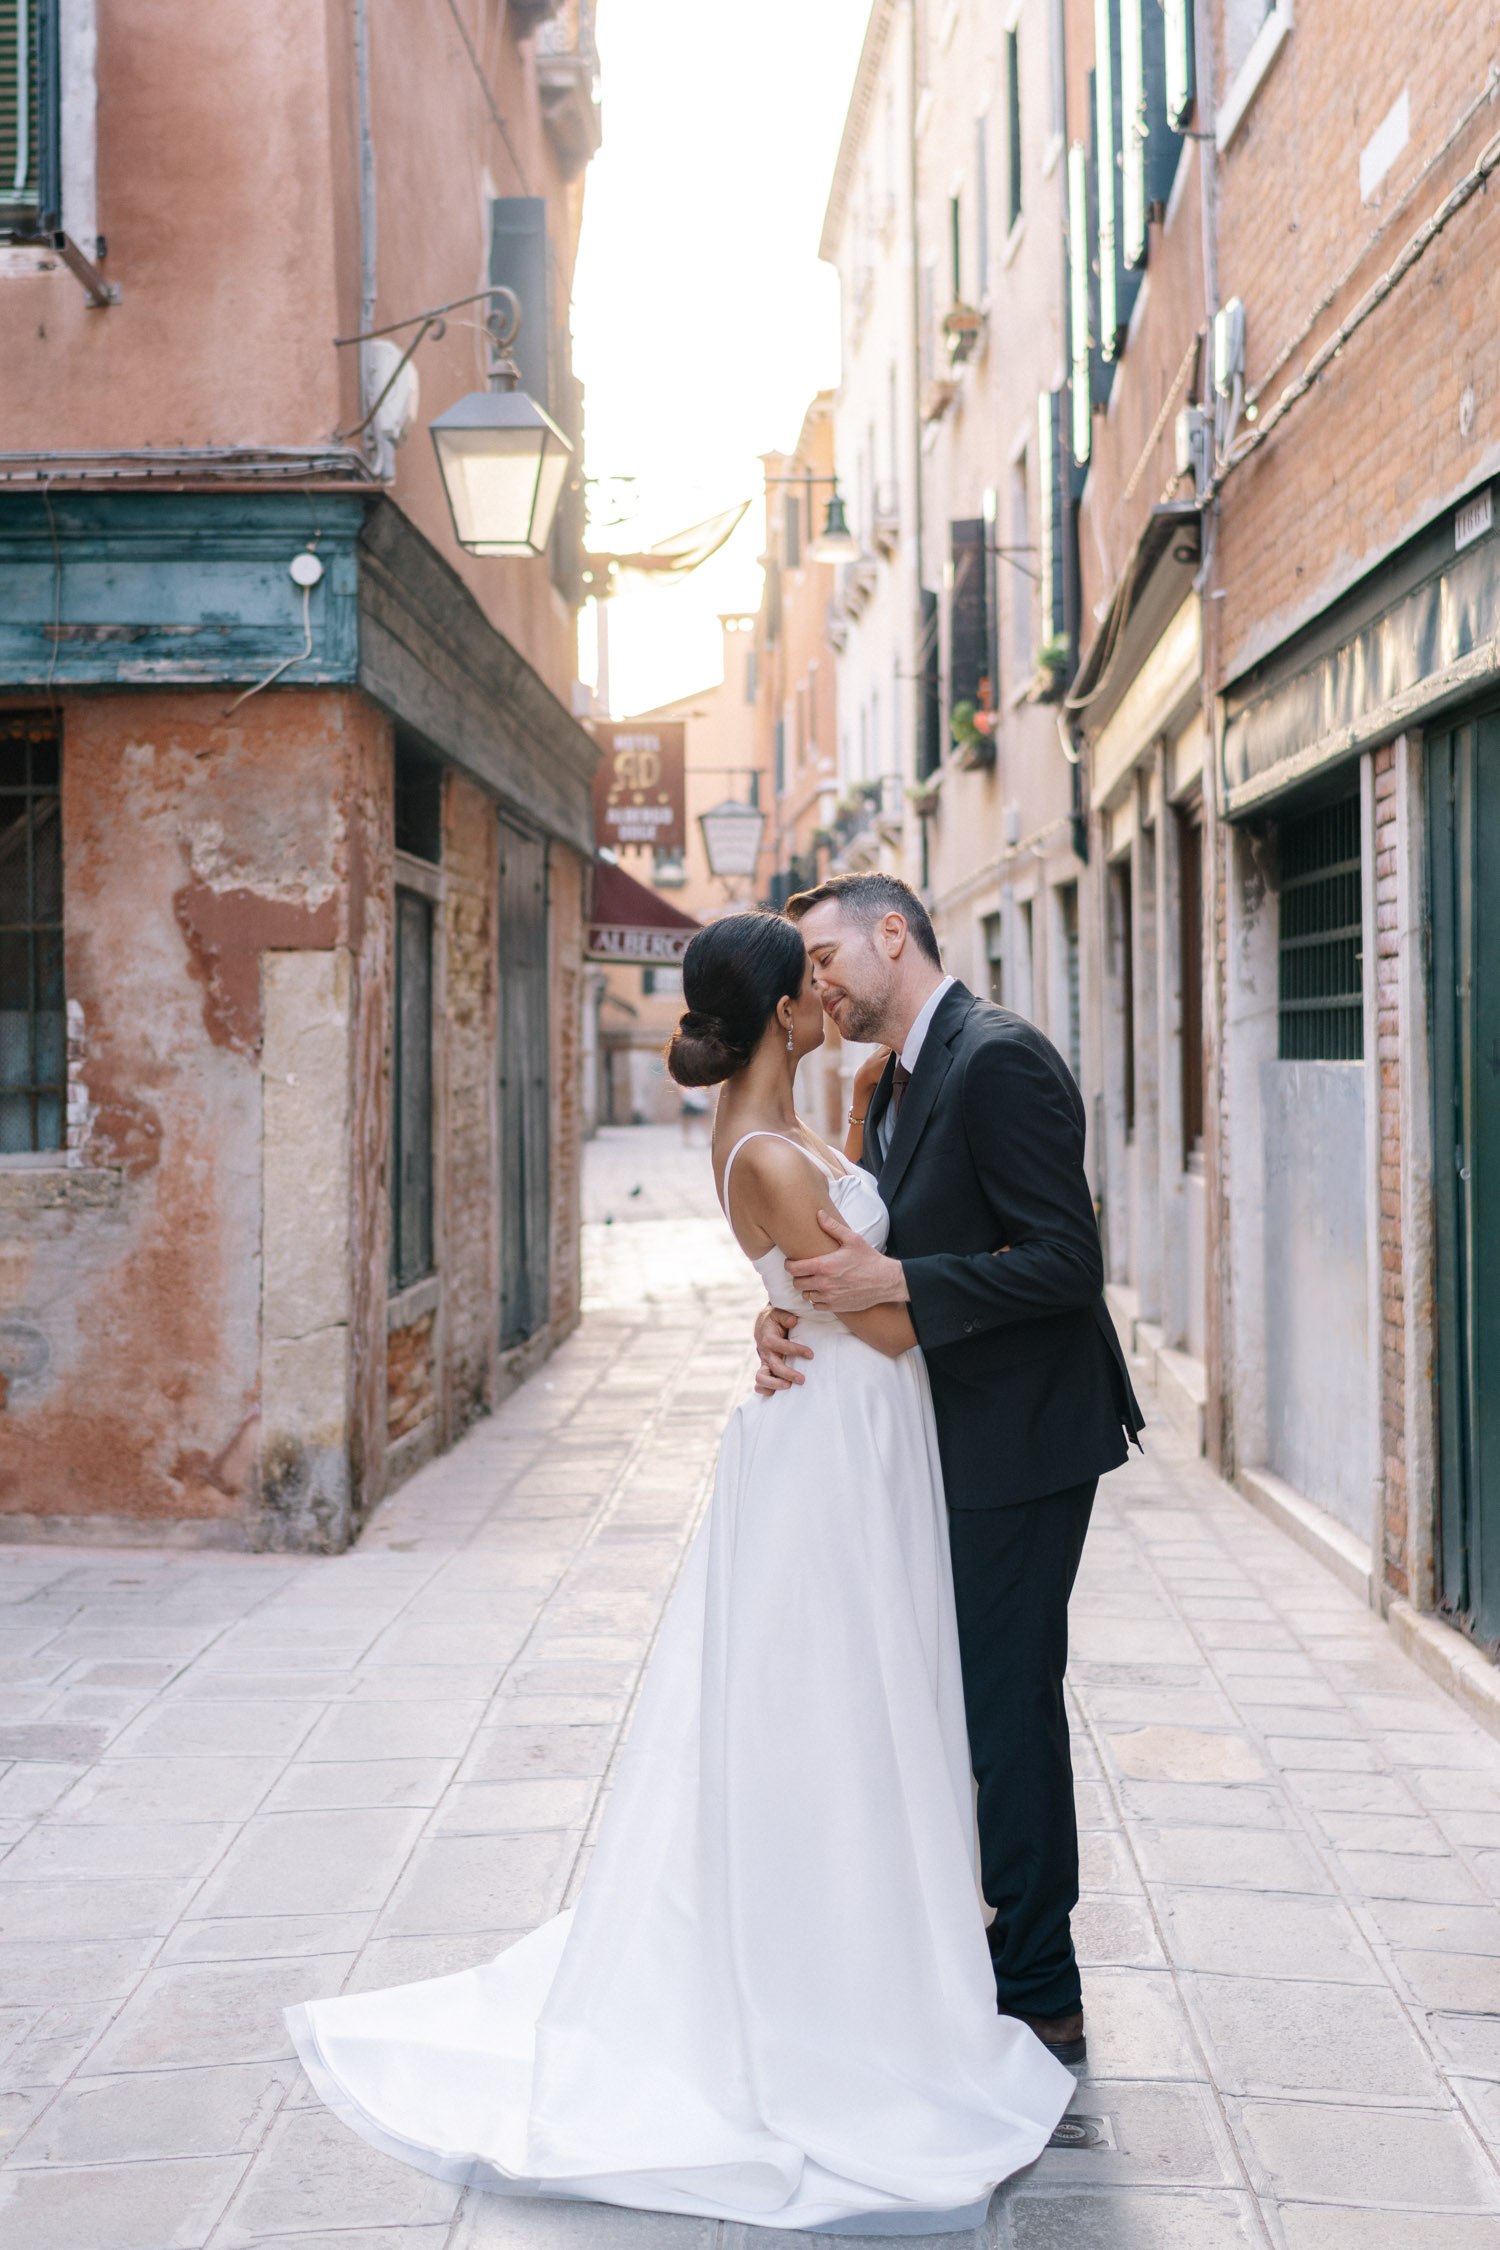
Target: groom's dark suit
{"points": [[993, 1223]]}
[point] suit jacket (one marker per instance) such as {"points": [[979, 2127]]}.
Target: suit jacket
{"points": [[993, 1222]]}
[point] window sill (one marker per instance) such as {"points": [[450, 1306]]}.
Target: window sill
{"points": [[411, 1304], [49, 1183], [1268, 44], [419, 875]]}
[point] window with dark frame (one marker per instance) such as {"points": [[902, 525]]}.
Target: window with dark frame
{"points": [[1121, 892], [955, 247], [411, 1094], [419, 800], [1067, 900], [33, 1011], [1320, 991], [1190, 971], [994, 957], [1013, 128]]}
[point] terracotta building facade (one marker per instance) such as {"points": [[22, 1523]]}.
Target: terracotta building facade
{"points": [[294, 813]]}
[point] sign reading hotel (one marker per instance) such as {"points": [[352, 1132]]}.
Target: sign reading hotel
{"points": [[638, 788]]}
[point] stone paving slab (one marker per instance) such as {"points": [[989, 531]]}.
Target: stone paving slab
{"points": [[232, 1782]]}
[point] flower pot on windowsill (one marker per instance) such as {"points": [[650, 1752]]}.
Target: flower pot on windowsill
{"points": [[963, 325], [1049, 682]]}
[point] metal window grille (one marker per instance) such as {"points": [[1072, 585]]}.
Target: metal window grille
{"points": [[1320, 984], [33, 1018]]}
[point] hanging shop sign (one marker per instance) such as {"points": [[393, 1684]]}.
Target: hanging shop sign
{"points": [[628, 922], [639, 796]]}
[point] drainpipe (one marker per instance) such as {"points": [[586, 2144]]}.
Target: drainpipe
{"points": [[1219, 1242], [919, 668], [367, 242]]}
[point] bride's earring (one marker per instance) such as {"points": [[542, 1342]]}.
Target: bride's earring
{"points": [[791, 1044]]}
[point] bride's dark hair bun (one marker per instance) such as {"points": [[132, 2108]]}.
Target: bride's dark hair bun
{"points": [[733, 974]]}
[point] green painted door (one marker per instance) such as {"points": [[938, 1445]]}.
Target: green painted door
{"points": [[1463, 780]]}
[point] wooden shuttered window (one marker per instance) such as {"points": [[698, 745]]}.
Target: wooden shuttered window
{"points": [[968, 612], [30, 134], [1052, 477], [521, 261]]}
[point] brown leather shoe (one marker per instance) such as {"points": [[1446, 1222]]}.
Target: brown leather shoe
{"points": [[1060, 2035]]}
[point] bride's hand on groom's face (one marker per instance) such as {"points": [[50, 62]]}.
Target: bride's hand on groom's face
{"points": [[778, 1354], [850, 1279]]}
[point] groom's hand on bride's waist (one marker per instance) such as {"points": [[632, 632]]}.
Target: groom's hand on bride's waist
{"points": [[851, 1278], [778, 1354]]}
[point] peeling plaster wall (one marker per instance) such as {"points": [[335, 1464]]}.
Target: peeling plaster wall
{"points": [[469, 1250], [197, 850]]}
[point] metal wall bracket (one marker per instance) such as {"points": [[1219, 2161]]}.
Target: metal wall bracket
{"points": [[99, 292]]}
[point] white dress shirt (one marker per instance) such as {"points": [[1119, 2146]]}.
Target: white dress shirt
{"points": [[908, 1056]]}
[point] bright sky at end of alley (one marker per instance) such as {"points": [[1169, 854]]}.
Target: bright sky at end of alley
{"points": [[704, 322]]}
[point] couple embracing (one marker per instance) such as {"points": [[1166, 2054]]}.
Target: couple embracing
{"points": [[777, 2000]]}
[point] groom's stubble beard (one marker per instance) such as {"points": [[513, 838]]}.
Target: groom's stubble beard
{"points": [[864, 1014], [862, 1020]]}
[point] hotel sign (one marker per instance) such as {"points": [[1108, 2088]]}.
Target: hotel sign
{"points": [[638, 788]]}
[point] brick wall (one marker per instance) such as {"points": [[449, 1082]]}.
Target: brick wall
{"points": [[411, 1397], [469, 1251], [1387, 434], [1392, 1293]]}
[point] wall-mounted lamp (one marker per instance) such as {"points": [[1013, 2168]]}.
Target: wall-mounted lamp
{"points": [[503, 460], [835, 543]]}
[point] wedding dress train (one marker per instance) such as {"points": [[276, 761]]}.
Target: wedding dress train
{"points": [[773, 2001]]}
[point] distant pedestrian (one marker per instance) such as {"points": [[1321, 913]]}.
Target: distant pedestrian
{"points": [[696, 1108]]}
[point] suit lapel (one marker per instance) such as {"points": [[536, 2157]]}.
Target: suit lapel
{"points": [[869, 1154], [917, 1103]]}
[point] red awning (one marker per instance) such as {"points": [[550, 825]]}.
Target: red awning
{"points": [[629, 922]]}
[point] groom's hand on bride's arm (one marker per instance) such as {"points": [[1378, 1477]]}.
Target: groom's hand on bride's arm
{"points": [[850, 1279], [778, 1354]]}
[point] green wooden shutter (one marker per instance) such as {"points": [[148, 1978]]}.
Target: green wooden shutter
{"points": [[968, 624], [1052, 472], [1118, 285], [30, 137], [1150, 147]]}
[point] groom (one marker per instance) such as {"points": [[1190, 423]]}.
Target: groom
{"points": [[975, 1136]]}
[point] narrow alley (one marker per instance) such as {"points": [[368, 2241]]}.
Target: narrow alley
{"points": [[242, 1781]]}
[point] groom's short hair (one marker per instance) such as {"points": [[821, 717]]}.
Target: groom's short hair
{"points": [[867, 897]]}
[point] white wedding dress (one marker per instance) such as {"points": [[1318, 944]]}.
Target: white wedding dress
{"points": [[773, 2002]]}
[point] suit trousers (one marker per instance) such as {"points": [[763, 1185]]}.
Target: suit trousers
{"points": [[1013, 1570]]}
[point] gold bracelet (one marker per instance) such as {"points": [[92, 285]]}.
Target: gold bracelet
{"points": [[857, 1120]]}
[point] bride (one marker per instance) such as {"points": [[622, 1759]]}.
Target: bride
{"points": [[774, 2001]]}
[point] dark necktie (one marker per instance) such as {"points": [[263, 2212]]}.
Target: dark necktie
{"points": [[899, 1085]]}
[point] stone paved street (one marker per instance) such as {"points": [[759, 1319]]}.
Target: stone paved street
{"points": [[240, 1781]]}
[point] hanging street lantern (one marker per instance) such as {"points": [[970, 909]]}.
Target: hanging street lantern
{"points": [[835, 543], [504, 462], [731, 838]]}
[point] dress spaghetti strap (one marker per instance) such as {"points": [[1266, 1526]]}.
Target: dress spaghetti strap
{"points": [[762, 1134]]}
